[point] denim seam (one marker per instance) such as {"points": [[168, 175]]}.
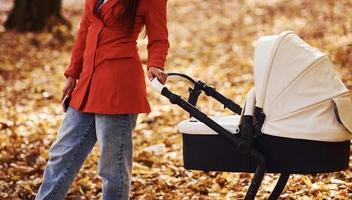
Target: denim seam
{"points": [[127, 124], [69, 164]]}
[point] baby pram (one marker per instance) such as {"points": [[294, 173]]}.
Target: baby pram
{"points": [[297, 119]]}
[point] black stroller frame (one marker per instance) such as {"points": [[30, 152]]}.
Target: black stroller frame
{"points": [[248, 131]]}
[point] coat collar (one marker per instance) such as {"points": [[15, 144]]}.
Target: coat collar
{"points": [[104, 8]]}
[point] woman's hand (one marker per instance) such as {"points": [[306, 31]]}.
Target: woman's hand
{"points": [[156, 72], [69, 86]]}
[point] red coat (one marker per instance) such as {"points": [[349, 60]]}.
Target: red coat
{"points": [[106, 62]]}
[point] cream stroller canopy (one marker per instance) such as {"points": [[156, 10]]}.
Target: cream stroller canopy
{"points": [[300, 94]]}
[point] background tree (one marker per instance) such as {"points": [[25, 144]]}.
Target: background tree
{"points": [[35, 15]]}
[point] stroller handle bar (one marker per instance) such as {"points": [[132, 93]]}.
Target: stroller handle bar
{"points": [[159, 87], [198, 87]]}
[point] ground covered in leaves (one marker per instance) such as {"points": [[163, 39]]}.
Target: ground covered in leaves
{"points": [[211, 40]]}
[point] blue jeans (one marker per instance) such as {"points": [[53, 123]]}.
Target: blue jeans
{"points": [[76, 137]]}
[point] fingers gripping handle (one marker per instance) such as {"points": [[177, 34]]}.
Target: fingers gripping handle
{"points": [[157, 85]]}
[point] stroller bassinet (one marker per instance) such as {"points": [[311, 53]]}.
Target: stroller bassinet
{"points": [[297, 119]]}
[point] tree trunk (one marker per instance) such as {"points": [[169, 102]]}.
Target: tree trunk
{"points": [[35, 15]]}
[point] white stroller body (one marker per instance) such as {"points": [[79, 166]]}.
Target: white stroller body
{"points": [[299, 91], [296, 86], [297, 119]]}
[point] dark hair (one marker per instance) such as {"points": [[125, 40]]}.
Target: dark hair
{"points": [[128, 16]]}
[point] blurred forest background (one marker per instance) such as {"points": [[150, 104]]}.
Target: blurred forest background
{"points": [[212, 40]]}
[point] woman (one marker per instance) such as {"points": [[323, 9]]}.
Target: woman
{"points": [[109, 94]]}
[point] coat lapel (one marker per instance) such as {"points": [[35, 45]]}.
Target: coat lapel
{"points": [[106, 7]]}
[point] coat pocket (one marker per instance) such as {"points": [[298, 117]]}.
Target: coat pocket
{"points": [[343, 110], [121, 51], [115, 52]]}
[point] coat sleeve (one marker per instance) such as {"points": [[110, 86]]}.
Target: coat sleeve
{"points": [[157, 32], [75, 67]]}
